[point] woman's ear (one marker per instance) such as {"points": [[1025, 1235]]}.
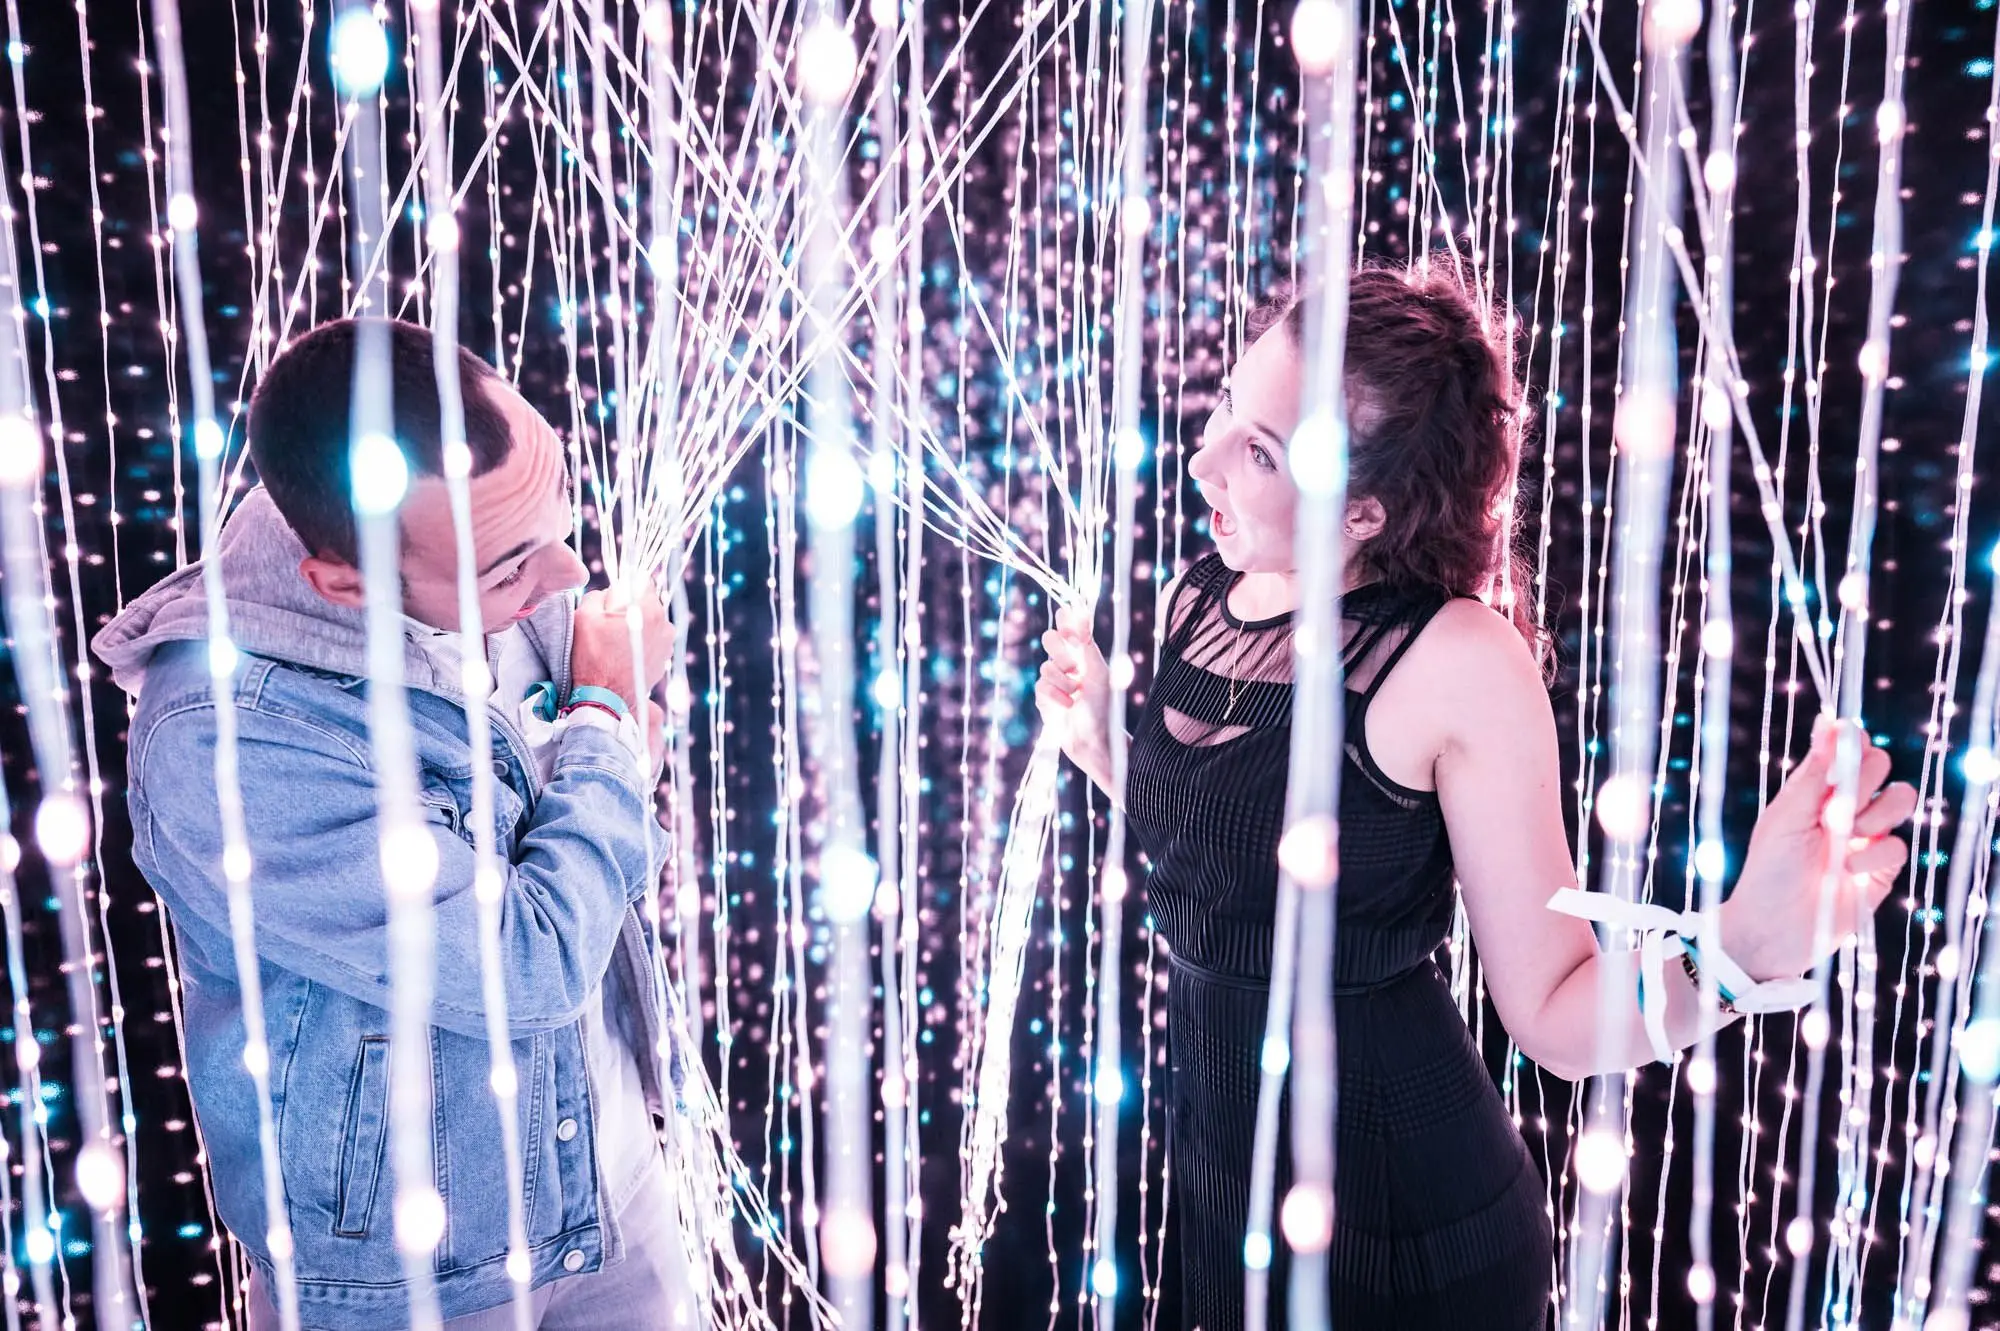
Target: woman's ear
{"points": [[1365, 518]]}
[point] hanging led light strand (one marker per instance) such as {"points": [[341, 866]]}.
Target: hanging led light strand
{"points": [[1299, 1029], [183, 216]]}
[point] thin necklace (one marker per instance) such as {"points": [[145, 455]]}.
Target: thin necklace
{"points": [[1235, 666]]}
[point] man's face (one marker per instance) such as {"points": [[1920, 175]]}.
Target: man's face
{"points": [[520, 530]]}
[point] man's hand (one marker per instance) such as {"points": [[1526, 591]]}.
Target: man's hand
{"points": [[1808, 841], [601, 652], [655, 722]]}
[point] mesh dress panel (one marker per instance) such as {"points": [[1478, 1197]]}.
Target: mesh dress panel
{"points": [[1439, 1217]]}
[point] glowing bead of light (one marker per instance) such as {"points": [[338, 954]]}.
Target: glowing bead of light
{"points": [[1701, 1283], [504, 1080], [846, 883], [1128, 449], [1622, 807], [360, 53], [1981, 765], [1104, 1278], [1600, 1161], [1645, 422], [1814, 1028], [1135, 215], [1719, 171], [1306, 1218], [1114, 882], [883, 12], [20, 451], [1889, 121], [236, 863], [827, 62], [519, 1268], [833, 487], [381, 474], [10, 853], [62, 829], [222, 658], [1718, 638], [208, 440], [1122, 671], [1799, 1236], [41, 1245], [1257, 1251], [27, 1055], [1874, 359], [1109, 1085], [1711, 861], [419, 1220], [847, 1243], [1315, 457], [888, 690], [443, 232], [1277, 1056], [409, 860], [1701, 1075], [1310, 851], [1979, 1050], [1948, 1319], [257, 1059], [1318, 29], [182, 214], [1672, 23], [657, 23], [882, 471], [100, 1176]]}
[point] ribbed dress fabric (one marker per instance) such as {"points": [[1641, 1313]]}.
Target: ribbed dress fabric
{"points": [[1439, 1216]]}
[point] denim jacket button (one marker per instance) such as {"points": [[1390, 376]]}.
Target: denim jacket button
{"points": [[573, 1260], [500, 768], [564, 1131]]}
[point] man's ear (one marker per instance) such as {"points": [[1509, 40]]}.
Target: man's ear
{"points": [[1365, 518], [335, 579]]}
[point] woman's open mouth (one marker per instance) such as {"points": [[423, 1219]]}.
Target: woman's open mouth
{"points": [[1221, 523]]}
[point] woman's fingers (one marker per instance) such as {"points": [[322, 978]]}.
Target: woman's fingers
{"points": [[1886, 811], [1881, 856]]}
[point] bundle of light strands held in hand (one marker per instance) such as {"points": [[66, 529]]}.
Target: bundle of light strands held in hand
{"points": [[941, 289]]}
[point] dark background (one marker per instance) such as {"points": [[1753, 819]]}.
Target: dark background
{"points": [[117, 364]]}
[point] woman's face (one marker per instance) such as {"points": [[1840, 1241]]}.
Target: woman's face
{"points": [[1240, 467]]}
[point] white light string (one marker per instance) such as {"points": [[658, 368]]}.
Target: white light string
{"points": [[1299, 1030], [408, 857], [432, 108], [183, 216]]}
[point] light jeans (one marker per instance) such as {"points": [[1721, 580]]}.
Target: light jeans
{"points": [[648, 1291]]}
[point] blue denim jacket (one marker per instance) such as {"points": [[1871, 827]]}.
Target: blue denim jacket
{"points": [[578, 849]]}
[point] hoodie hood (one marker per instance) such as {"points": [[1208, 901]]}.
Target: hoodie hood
{"points": [[273, 612]]}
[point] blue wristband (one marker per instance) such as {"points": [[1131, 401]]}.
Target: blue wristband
{"points": [[602, 697]]}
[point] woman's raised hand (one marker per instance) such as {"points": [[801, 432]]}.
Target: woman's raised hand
{"points": [[1074, 695], [1810, 840]]}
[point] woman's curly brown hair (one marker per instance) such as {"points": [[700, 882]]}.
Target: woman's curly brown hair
{"points": [[1434, 430]]}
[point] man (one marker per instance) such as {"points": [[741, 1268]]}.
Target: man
{"points": [[576, 748]]}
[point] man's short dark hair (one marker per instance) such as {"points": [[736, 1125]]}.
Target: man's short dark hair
{"points": [[300, 424]]}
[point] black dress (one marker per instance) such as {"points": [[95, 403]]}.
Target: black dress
{"points": [[1439, 1212]]}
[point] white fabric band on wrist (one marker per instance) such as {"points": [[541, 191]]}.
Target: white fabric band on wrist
{"points": [[1661, 932]]}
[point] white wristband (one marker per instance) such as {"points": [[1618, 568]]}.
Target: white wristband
{"points": [[1660, 933]]}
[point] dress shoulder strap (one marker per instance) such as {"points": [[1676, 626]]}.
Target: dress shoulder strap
{"points": [[1413, 620]]}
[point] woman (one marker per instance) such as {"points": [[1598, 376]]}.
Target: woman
{"points": [[1450, 773]]}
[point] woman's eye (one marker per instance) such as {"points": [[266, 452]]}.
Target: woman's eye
{"points": [[511, 578], [1262, 457]]}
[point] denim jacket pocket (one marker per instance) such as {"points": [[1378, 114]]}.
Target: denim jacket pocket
{"points": [[363, 1137], [440, 801]]}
